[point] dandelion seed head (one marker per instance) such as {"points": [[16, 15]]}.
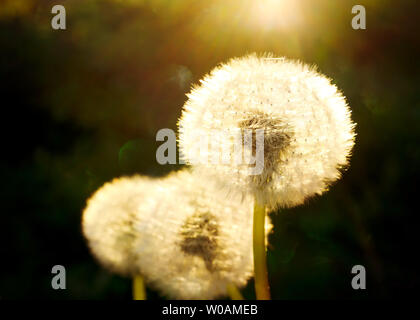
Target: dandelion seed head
{"points": [[196, 243], [180, 232], [308, 131], [108, 221]]}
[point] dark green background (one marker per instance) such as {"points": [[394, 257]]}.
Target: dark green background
{"points": [[83, 105]]}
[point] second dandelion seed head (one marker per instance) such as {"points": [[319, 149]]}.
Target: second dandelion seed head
{"points": [[185, 237]]}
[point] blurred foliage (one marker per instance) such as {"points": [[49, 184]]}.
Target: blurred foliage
{"points": [[83, 105]]}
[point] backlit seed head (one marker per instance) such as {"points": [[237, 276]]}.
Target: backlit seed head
{"points": [[308, 132], [198, 239], [109, 218], [186, 238]]}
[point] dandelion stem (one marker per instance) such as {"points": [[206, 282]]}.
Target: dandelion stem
{"points": [[234, 292], [139, 290], [262, 289]]}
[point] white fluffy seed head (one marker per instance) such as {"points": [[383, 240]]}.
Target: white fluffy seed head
{"points": [[185, 237], [108, 222], [198, 241], [308, 132]]}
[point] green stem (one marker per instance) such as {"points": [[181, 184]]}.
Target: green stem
{"points": [[139, 289], [234, 292], [262, 288]]}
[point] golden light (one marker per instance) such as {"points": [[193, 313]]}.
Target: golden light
{"points": [[275, 14]]}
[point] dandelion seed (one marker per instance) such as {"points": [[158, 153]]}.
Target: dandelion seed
{"points": [[181, 233], [108, 222], [308, 132], [197, 243]]}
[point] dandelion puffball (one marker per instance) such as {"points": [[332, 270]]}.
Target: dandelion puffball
{"points": [[308, 132], [108, 222], [198, 242], [179, 232]]}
